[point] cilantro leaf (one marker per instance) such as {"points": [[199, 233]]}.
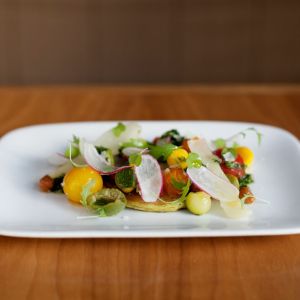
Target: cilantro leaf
{"points": [[193, 160], [246, 180], [135, 159], [162, 152], [177, 184], [119, 129], [86, 192], [220, 143]]}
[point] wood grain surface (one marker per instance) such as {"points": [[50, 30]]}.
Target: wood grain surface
{"points": [[192, 268]]}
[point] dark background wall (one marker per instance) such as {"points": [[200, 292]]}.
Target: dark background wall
{"points": [[149, 41]]}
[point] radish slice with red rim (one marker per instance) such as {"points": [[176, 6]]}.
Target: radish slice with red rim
{"points": [[212, 184], [149, 178], [97, 161]]}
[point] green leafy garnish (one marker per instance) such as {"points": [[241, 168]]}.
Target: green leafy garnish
{"points": [[119, 129], [220, 143], [107, 202], [136, 143], [246, 180], [185, 190], [135, 159], [233, 151], [125, 179], [193, 160], [162, 152], [177, 184], [258, 134], [233, 165], [73, 148], [174, 135], [86, 192]]}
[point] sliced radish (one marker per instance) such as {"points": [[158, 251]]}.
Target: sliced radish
{"points": [[201, 147], [97, 161], [212, 184], [149, 178]]}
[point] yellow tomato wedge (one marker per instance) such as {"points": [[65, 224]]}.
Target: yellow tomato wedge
{"points": [[246, 154], [178, 158], [76, 179]]}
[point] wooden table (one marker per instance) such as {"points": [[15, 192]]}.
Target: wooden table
{"points": [[192, 268]]}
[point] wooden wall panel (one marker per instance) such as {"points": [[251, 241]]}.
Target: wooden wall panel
{"points": [[149, 41]]}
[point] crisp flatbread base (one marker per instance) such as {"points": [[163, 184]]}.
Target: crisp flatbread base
{"points": [[135, 201]]}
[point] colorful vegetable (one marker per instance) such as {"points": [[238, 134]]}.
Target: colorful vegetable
{"points": [[75, 180], [177, 158], [198, 203]]}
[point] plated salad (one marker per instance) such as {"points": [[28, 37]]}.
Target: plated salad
{"points": [[122, 170]]}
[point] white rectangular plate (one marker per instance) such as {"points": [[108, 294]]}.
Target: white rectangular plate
{"points": [[26, 212]]}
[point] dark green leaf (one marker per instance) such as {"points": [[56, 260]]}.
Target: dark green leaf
{"points": [[174, 135], [246, 180], [125, 179]]}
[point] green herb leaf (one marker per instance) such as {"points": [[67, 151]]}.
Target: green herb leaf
{"points": [[185, 191], [177, 184], [162, 152], [119, 129], [125, 179], [246, 180], [220, 143], [181, 199], [193, 160], [86, 192], [233, 165], [108, 202], [136, 143], [233, 151], [135, 159], [174, 135]]}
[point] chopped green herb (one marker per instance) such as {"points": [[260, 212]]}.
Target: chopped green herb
{"points": [[86, 192], [119, 129], [233, 165], [193, 160], [177, 184], [162, 152], [107, 202], [233, 151], [125, 179], [137, 143], [246, 180], [174, 135], [135, 159], [220, 143]]}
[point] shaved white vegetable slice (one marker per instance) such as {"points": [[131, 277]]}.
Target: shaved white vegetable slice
{"points": [[201, 147], [98, 161], [149, 178], [57, 159], [235, 210], [66, 167], [112, 141], [212, 184]]}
